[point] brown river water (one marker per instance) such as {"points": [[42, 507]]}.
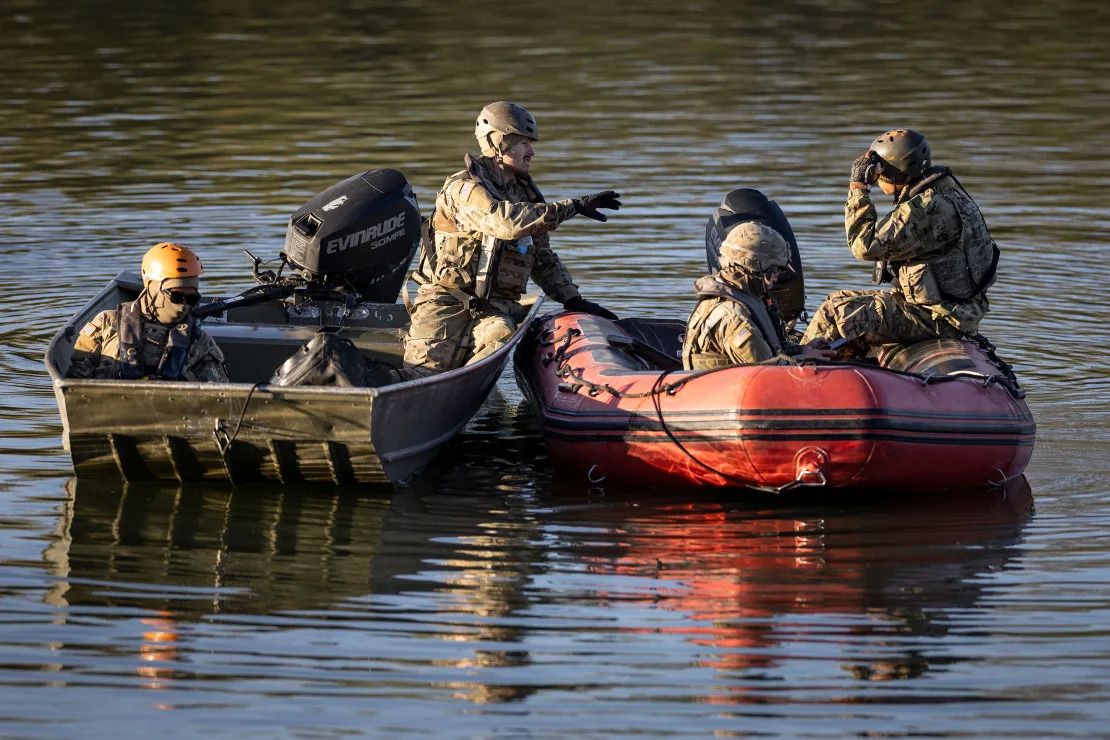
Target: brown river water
{"points": [[493, 598]]}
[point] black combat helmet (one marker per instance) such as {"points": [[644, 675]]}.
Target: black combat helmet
{"points": [[905, 154]]}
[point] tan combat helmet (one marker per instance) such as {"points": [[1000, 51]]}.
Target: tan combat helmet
{"points": [[755, 248], [905, 154], [498, 120]]}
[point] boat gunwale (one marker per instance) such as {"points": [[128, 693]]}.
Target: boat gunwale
{"points": [[638, 376], [125, 277]]}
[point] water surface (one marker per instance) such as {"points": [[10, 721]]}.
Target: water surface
{"points": [[494, 598]]}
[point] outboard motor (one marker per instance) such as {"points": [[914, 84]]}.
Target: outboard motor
{"points": [[360, 234], [748, 204]]}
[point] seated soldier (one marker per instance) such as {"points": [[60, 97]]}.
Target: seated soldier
{"points": [[934, 246], [732, 323], [154, 336]]}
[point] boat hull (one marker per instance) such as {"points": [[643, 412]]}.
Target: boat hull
{"points": [[251, 431], [607, 417]]}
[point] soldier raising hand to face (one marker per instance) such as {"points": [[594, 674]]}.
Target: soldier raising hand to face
{"points": [[934, 247]]}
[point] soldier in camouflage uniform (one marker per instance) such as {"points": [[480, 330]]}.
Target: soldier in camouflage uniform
{"points": [[152, 337], [734, 323], [934, 246], [491, 229]]}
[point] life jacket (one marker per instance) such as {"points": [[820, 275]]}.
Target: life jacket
{"points": [[501, 267], [175, 352], [712, 286], [966, 264]]}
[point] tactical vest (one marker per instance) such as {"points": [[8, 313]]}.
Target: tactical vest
{"points": [[965, 265], [129, 361], [710, 286], [477, 264]]}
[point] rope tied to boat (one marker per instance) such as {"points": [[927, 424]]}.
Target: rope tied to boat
{"points": [[225, 440], [564, 370], [561, 350], [804, 479], [1008, 380]]}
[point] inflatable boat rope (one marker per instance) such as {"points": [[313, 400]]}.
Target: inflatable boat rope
{"points": [[1007, 379]]}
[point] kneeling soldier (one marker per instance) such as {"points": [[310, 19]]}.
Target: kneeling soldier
{"points": [[492, 230]]}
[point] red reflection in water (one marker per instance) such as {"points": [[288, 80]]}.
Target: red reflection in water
{"points": [[158, 649], [736, 574]]}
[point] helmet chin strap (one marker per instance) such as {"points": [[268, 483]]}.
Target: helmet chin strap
{"points": [[901, 190], [497, 157], [146, 301], [493, 147], [508, 174], [768, 284]]}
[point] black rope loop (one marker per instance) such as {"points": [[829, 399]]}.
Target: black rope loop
{"points": [[1009, 379], [225, 440]]}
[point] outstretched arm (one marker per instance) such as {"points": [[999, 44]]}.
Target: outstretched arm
{"points": [[475, 209]]}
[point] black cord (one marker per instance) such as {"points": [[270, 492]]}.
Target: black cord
{"points": [[225, 444], [657, 402]]}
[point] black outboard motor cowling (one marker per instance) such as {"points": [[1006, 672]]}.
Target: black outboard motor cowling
{"points": [[748, 204], [359, 234]]}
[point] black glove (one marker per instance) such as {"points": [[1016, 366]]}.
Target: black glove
{"points": [[580, 304], [587, 205], [866, 168]]}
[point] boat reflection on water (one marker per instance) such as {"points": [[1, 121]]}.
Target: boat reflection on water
{"points": [[179, 565], [763, 587], [451, 584], [201, 550]]}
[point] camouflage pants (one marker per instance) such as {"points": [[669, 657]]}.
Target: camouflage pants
{"points": [[876, 317], [444, 336]]}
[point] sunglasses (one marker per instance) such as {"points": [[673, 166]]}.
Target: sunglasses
{"points": [[180, 297]]}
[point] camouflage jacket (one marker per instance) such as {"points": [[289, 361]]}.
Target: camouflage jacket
{"points": [[473, 205], [723, 331], [96, 351], [936, 243]]}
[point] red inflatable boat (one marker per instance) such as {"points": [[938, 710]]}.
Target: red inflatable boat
{"points": [[615, 406]]}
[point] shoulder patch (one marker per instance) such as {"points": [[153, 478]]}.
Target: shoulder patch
{"points": [[740, 338], [89, 329]]}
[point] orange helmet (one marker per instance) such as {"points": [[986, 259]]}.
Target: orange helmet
{"points": [[168, 260]]}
